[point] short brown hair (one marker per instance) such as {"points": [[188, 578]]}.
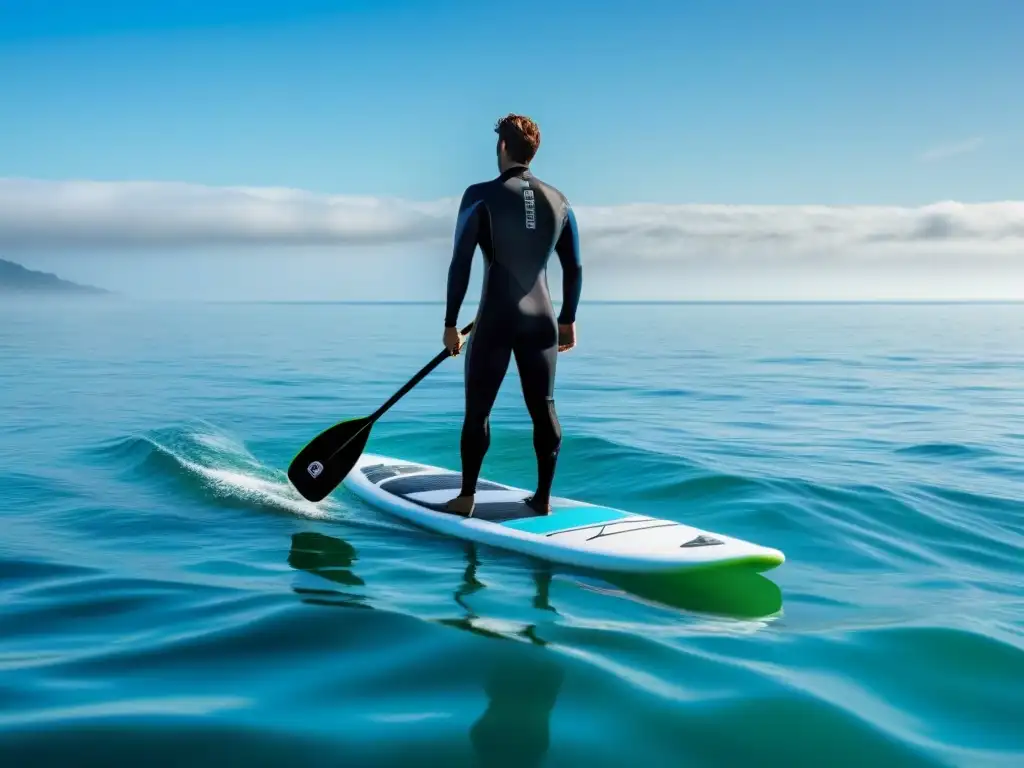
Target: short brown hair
{"points": [[521, 136]]}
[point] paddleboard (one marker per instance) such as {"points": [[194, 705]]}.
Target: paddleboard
{"points": [[574, 533]]}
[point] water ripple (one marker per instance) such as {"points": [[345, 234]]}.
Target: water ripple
{"points": [[167, 596]]}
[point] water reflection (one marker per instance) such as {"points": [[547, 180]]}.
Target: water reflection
{"points": [[522, 681], [330, 558], [472, 622], [522, 678], [734, 593]]}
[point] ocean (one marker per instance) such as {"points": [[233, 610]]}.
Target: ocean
{"points": [[168, 599]]}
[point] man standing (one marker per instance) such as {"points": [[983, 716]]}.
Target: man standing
{"points": [[517, 220]]}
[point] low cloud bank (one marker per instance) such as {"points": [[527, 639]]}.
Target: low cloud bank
{"points": [[150, 215]]}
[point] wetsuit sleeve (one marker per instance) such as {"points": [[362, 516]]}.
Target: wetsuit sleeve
{"points": [[568, 250], [467, 229]]}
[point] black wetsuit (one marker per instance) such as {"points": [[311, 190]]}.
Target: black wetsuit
{"points": [[517, 220]]}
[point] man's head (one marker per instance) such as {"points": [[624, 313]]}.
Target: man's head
{"points": [[518, 140]]}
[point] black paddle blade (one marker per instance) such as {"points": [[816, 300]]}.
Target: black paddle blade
{"points": [[324, 462], [329, 456]]}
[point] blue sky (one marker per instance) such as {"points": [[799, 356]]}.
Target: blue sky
{"points": [[729, 103]]}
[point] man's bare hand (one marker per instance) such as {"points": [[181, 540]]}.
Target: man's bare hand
{"points": [[566, 336], [452, 340]]}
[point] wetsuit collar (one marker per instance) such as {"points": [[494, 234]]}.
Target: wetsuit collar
{"points": [[515, 170]]}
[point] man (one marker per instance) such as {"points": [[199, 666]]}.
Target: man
{"points": [[517, 220]]}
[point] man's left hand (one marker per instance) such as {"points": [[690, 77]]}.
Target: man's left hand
{"points": [[566, 336]]}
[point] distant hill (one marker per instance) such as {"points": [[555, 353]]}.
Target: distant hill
{"points": [[15, 278]]}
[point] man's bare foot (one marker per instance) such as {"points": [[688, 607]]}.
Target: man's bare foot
{"points": [[462, 505], [540, 507]]}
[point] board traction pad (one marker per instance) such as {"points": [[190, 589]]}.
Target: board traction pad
{"points": [[402, 480]]}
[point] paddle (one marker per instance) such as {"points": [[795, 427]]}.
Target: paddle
{"points": [[325, 461]]}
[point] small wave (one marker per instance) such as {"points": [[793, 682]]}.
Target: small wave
{"points": [[944, 451], [797, 360], [214, 463], [24, 569], [711, 486]]}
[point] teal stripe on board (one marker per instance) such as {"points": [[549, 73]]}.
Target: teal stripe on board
{"points": [[567, 518]]}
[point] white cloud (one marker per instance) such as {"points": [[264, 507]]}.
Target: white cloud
{"points": [[87, 215], [91, 213], [944, 151]]}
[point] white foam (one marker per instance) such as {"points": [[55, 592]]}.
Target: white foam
{"points": [[257, 489], [243, 483]]}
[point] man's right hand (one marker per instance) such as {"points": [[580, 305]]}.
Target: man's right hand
{"points": [[452, 340], [566, 336]]}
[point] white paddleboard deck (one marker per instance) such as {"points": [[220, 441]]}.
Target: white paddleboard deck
{"points": [[575, 533]]}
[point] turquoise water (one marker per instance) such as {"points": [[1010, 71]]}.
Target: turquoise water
{"points": [[167, 599]]}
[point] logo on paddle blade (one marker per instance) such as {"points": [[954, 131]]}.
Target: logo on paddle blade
{"points": [[315, 469], [701, 541]]}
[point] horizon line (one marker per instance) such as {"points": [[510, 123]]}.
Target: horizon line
{"points": [[109, 295], [619, 302]]}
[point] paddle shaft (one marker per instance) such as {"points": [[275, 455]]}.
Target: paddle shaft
{"points": [[440, 358]]}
